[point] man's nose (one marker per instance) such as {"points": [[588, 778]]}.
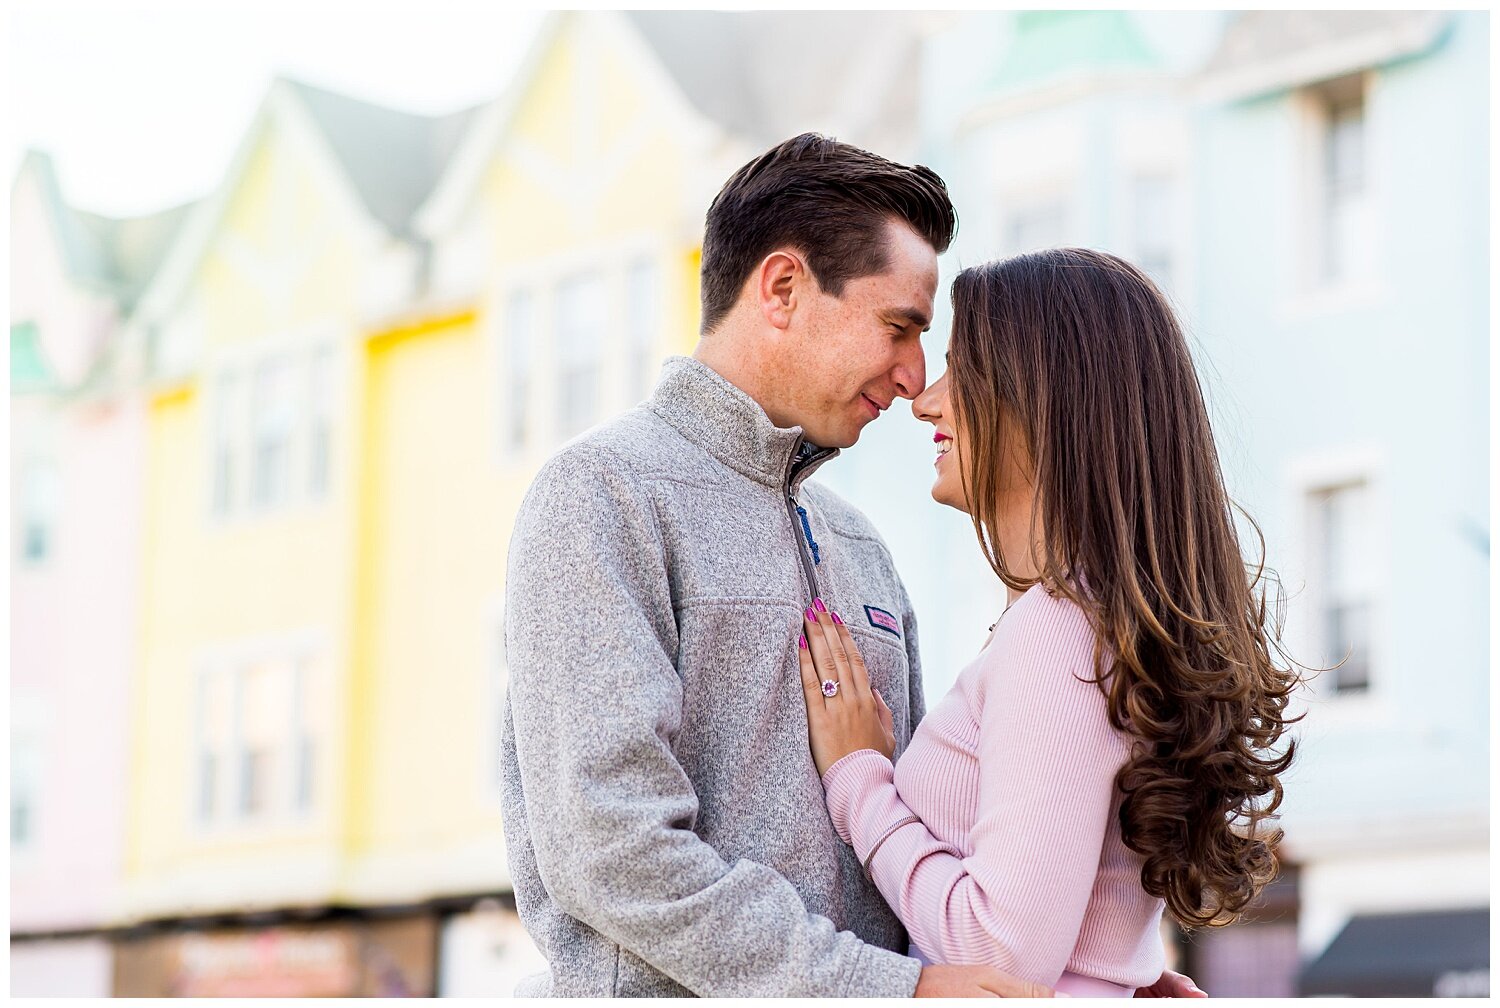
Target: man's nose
{"points": [[911, 375]]}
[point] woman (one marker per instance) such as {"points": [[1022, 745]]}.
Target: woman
{"points": [[1111, 751]]}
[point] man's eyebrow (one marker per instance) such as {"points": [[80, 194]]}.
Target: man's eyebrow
{"points": [[915, 316]]}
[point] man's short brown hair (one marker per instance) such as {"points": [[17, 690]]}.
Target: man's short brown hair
{"points": [[830, 201]]}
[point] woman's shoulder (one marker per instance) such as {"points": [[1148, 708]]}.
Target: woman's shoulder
{"points": [[1042, 636], [1042, 611]]}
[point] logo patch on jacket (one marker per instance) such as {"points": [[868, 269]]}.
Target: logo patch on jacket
{"points": [[882, 620]]}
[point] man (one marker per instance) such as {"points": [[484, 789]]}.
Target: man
{"points": [[665, 823]]}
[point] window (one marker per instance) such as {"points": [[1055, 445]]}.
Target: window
{"points": [[227, 413], [643, 322], [520, 331], [285, 451], [24, 790], [1035, 226], [1342, 545], [303, 733], [263, 726], [272, 427], [214, 732], [580, 331], [320, 419], [257, 730], [1153, 224], [1343, 203], [40, 501]]}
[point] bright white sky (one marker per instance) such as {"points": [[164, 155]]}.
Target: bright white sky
{"points": [[142, 109]]}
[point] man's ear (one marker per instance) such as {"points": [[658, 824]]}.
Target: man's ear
{"points": [[780, 281]]}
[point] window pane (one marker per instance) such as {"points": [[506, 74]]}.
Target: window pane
{"points": [[1154, 224], [643, 322], [320, 411], [1342, 538], [255, 768], [41, 494], [264, 708], [214, 730], [1346, 238], [580, 335], [1349, 634], [303, 728], [227, 412], [274, 406], [23, 791], [520, 330]]}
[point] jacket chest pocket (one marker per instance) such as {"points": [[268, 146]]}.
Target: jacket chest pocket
{"points": [[886, 662]]}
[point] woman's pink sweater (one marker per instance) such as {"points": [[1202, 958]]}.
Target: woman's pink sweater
{"points": [[1016, 861]]}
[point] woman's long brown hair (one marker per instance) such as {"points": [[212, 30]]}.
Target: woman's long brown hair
{"points": [[1082, 351]]}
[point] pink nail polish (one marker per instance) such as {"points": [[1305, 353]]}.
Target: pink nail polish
{"points": [[802, 641], [836, 617], [812, 617], [818, 605]]}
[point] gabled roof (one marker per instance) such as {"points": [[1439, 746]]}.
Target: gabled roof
{"points": [[1270, 50], [112, 255], [757, 77], [389, 160], [133, 247], [769, 75], [392, 158]]}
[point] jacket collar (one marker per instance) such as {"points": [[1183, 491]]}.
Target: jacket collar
{"points": [[721, 418]]}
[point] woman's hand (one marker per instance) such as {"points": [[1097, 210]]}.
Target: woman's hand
{"points": [[846, 715]]}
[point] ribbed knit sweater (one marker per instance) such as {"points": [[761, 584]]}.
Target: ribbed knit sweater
{"points": [[1016, 861]]}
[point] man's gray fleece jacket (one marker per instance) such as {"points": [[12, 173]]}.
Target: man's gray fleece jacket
{"points": [[664, 821]]}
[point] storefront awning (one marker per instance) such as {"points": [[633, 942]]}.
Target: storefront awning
{"points": [[1444, 952]]}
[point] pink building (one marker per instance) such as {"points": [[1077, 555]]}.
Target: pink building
{"points": [[77, 441]]}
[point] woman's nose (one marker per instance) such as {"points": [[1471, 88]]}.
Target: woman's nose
{"points": [[927, 406]]}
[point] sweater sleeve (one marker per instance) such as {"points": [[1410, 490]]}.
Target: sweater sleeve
{"points": [[1047, 763], [597, 707]]}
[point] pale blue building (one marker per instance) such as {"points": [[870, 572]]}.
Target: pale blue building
{"points": [[1311, 190]]}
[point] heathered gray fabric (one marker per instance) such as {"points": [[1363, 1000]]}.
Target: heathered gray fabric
{"points": [[664, 821]]}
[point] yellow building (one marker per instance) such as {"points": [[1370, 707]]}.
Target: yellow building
{"points": [[361, 350]]}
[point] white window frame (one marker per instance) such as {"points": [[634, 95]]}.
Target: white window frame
{"points": [[281, 415], [515, 394], [1311, 292], [588, 367], [1172, 183], [322, 414], [298, 651], [642, 344], [25, 780], [32, 728], [541, 277], [39, 507], [1306, 476], [300, 350]]}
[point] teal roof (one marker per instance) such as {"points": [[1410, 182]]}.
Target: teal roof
{"points": [[1048, 45], [28, 367]]}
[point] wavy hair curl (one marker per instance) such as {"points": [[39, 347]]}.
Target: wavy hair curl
{"points": [[1082, 351]]}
